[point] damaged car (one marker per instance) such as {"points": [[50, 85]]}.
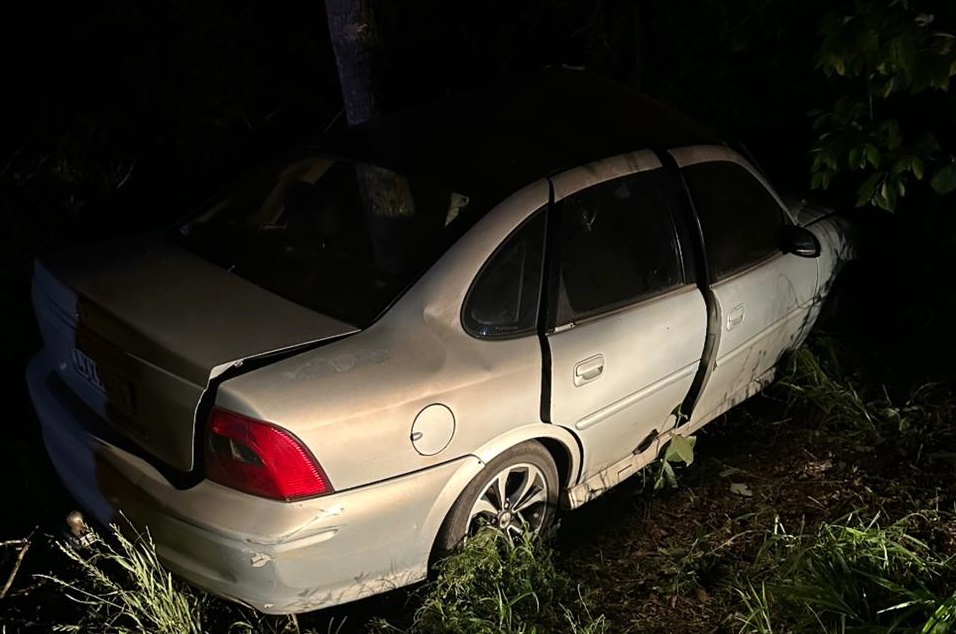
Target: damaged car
{"points": [[475, 312]]}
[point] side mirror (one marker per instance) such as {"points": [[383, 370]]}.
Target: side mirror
{"points": [[799, 241]]}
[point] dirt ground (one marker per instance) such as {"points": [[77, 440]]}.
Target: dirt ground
{"points": [[660, 562]]}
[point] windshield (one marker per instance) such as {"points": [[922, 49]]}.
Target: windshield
{"points": [[345, 239]]}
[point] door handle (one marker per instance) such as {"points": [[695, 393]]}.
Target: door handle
{"points": [[735, 317], [589, 369]]}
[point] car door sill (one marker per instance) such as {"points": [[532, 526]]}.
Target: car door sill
{"points": [[612, 475]]}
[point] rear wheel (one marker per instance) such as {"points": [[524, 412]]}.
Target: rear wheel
{"points": [[517, 491]]}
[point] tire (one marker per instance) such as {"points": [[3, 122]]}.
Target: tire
{"points": [[530, 480]]}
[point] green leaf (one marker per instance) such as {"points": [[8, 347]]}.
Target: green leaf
{"points": [[886, 88], [868, 189], [872, 155], [916, 166], [830, 160], [940, 82], [882, 197], [836, 63], [680, 449], [886, 195], [908, 163], [665, 476], [944, 180], [856, 158], [894, 138], [739, 488], [903, 53]]}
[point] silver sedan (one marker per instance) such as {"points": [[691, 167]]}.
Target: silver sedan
{"points": [[473, 313]]}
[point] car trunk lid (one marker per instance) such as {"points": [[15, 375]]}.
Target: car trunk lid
{"points": [[140, 331]]}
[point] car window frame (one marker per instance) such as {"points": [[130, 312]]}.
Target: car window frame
{"points": [[599, 173], [542, 212], [694, 155]]}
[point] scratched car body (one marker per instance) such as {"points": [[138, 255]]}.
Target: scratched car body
{"points": [[333, 373]]}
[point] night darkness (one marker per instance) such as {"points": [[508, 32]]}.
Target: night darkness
{"points": [[123, 116]]}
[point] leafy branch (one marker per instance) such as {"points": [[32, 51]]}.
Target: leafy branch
{"points": [[880, 57]]}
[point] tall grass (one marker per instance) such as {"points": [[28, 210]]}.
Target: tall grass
{"points": [[816, 379], [857, 407], [854, 575], [127, 590], [493, 585], [848, 576]]}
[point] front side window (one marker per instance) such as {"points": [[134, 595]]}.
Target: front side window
{"points": [[503, 301], [618, 246], [740, 219]]}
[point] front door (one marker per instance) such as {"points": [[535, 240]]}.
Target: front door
{"points": [[762, 295]]}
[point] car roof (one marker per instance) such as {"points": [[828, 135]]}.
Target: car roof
{"points": [[492, 141]]}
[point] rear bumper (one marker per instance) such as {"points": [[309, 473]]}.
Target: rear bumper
{"points": [[277, 557]]}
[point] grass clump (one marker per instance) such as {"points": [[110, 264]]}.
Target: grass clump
{"points": [[847, 576], [859, 408], [126, 589], [814, 377], [495, 585]]}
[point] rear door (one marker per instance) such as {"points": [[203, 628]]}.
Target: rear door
{"points": [[762, 295], [627, 324]]}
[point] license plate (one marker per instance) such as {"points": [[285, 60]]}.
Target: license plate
{"points": [[119, 393], [86, 367]]}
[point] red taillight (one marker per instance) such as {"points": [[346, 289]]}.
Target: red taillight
{"points": [[258, 458]]}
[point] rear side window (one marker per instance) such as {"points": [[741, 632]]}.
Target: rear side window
{"points": [[503, 301], [618, 246], [740, 219]]}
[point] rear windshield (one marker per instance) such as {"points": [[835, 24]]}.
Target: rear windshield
{"points": [[345, 239]]}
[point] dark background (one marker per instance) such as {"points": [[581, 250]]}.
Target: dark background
{"points": [[185, 93], [119, 115]]}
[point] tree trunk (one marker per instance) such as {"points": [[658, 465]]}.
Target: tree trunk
{"points": [[386, 196], [355, 45]]}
